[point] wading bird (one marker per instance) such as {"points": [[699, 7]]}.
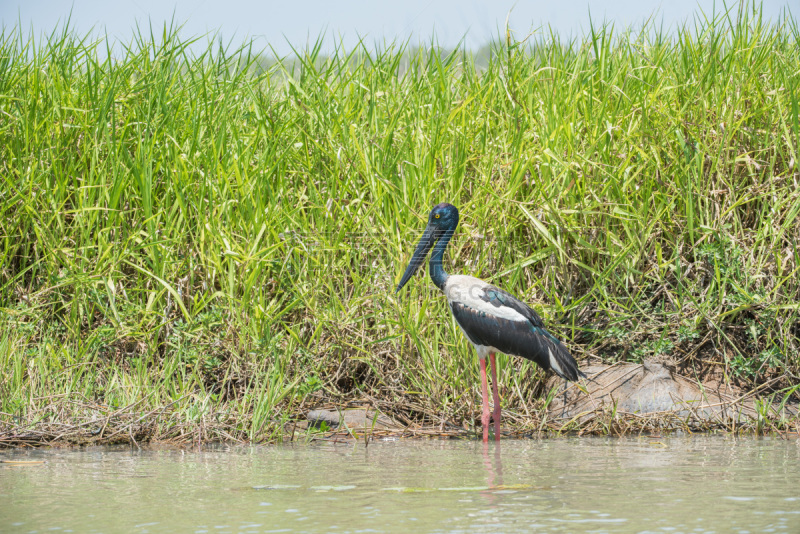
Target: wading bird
{"points": [[492, 319]]}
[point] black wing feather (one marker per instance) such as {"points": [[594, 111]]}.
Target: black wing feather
{"points": [[499, 298], [528, 339]]}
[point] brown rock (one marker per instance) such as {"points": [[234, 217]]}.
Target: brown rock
{"points": [[352, 418], [651, 389]]}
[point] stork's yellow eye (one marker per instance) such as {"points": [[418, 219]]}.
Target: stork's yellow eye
{"points": [[437, 215]]}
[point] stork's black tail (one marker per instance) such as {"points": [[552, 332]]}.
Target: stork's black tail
{"points": [[552, 354]]}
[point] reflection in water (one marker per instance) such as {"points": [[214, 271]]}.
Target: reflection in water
{"points": [[493, 467], [558, 485], [494, 471]]}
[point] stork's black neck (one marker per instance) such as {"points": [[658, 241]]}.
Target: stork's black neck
{"points": [[438, 275]]}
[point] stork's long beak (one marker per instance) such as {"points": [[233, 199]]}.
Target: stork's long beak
{"points": [[427, 241]]}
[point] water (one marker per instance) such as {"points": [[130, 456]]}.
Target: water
{"points": [[672, 484]]}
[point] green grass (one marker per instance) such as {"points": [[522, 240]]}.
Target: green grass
{"points": [[218, 236]]}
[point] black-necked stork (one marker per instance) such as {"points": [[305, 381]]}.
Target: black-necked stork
{"points": [[492, 319]]}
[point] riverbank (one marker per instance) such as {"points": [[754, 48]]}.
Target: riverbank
{"points": [[619, 399], [205, 245]]}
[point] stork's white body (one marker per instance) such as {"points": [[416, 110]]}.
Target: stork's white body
{"points": [[470, 291], [481, 315]]}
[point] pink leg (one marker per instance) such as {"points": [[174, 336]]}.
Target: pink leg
{"points": [[495, 398], [485, 392]]}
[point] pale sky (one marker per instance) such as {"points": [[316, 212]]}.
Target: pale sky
{"points": [[280, 22]]}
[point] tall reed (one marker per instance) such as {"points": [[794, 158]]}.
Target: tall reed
{"points": [[216, 231]]}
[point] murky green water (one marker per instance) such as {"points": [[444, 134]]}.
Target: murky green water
{"points": [[695, 484]]}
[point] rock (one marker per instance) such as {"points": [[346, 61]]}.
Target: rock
{"points": [[652, 391], [352, 418]]}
